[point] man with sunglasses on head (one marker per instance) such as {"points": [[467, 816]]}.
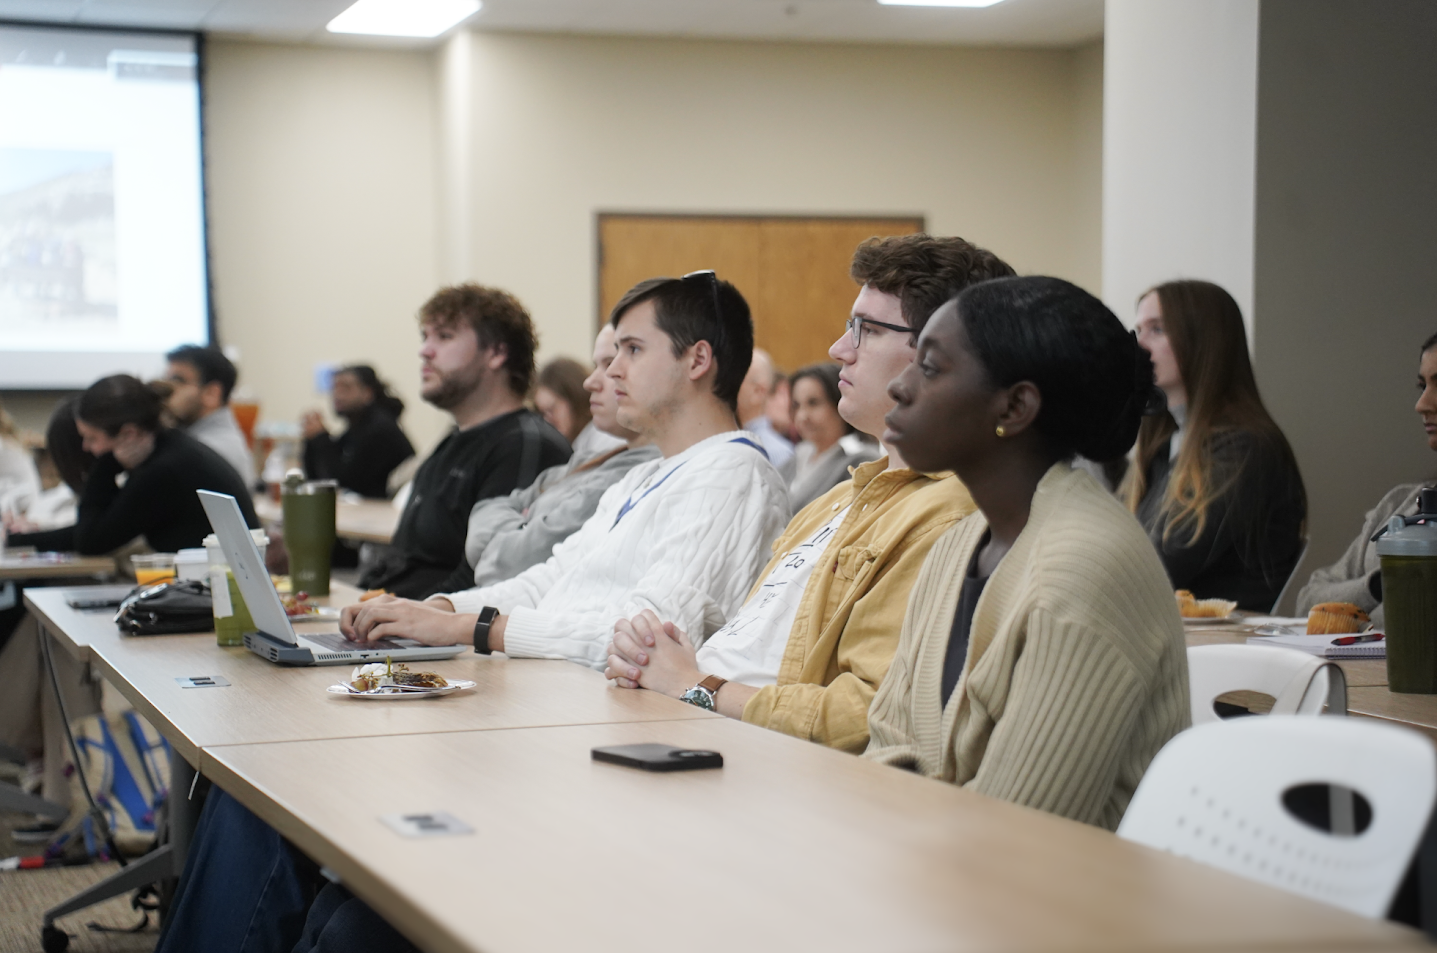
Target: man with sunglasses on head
{"points": [[807, 651], [681, 537]]}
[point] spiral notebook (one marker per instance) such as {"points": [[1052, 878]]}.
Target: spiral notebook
{"points": [[1321, 645]]}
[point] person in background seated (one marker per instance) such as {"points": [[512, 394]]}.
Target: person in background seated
{"points": [[202, 379], [120, 425], [362, 457], [779, 410], [19, 479], [753, 399], [830, 445], [1357, 576], [564, 401], [1215, 483], [477, 353], [54, 510], [683, 535], [509, 534], [1042, 658], [808, 649]]}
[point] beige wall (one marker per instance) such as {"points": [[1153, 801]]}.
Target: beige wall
{"points": [[1000, 146], [345, 185], [322, 201]]}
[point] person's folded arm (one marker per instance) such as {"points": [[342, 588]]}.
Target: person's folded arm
{"points": [[110, 516], [1070, 709]]}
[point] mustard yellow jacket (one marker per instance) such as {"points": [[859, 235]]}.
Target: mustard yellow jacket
{"points": [[848, 622]]}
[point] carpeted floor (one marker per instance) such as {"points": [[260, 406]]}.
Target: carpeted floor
{"points": [[26, 894]]}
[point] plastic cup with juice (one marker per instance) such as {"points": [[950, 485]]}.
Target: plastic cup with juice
{"points": [[153, 568]]}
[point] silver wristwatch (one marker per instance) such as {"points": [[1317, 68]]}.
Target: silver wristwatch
{"points": [[703, 694]]}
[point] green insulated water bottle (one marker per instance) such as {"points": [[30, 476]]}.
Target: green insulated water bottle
{"points": [[1409, 602], [309, 533]]}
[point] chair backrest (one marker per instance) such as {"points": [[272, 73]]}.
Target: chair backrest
{"points": [[1300, 683], [1296, 568], [1215, 794]]}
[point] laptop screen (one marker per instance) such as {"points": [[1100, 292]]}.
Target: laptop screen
{"points": [[252, 578]]}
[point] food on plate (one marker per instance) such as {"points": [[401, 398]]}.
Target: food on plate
{"points": [[372, 594], [298, 605], [1190, 607], [389, 677], [1336, 618]]}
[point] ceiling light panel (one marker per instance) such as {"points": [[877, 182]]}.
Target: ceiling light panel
{"points": [[417, 18], [938, 3]]}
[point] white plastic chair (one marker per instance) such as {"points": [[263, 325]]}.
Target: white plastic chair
{"points": [[1300, 683], [1214, 794]]}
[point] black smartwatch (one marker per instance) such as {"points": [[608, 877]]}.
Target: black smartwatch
{"points": [[487, 615]]}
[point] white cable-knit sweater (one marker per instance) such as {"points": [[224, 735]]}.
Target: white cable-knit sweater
{"points": [[696, 536]]}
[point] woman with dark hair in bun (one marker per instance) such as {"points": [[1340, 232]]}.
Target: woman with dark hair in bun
{"points": [[363, 457], [1042, 658], [119, 422]]}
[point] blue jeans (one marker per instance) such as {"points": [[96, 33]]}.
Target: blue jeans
{"points": [[340, 922], [245, 889]]}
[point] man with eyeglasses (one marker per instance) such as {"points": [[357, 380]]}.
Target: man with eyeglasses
{"points": [[806, 652]]}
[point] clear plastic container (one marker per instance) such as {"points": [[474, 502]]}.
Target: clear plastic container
{"points": [[232, 618]]}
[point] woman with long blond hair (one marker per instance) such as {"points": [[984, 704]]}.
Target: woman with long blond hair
{"points": [[1215, 483]]}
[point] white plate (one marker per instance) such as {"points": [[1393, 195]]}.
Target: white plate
{"points": [[1225, 620], [455, 685]]}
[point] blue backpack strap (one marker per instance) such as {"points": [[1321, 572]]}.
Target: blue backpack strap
{"points": [[125, 793]]}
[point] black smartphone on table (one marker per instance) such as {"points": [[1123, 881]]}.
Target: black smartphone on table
{"points": [[656, 757]]}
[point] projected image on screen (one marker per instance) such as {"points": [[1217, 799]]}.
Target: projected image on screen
{"points": [[102, 251], [57, 239]]}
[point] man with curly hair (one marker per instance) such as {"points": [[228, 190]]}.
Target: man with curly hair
{"points": [[477, 355]]}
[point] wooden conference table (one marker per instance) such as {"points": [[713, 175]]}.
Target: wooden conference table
{"points": [[365, 521], [33, 565], [789, 846]]}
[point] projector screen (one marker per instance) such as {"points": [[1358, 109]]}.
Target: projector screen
{"points": [[102, 232]]}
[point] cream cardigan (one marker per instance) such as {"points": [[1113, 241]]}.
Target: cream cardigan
{"points": [[1076, 672]]}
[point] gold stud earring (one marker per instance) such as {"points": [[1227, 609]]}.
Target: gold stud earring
{"points": [[1000, 431]]}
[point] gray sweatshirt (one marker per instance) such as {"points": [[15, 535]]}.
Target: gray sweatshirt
{"points": [[508, 534], [1347, 579]]}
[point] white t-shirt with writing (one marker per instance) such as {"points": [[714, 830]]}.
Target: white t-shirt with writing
{"points": [[749, 649]]}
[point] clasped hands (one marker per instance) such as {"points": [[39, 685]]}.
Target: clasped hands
{"points": [[648, 653]]}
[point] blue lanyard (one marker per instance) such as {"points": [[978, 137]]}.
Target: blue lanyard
{"points": [[630, 503]]}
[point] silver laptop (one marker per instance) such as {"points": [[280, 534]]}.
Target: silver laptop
{"points": [[275, 639]]}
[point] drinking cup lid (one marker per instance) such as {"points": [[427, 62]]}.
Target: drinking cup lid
{"points": [[1419, 539]]}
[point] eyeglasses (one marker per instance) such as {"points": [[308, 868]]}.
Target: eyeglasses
{"points": [[855, 328]]}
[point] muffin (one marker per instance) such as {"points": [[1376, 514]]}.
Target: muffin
{"points": [[1336, 618]]}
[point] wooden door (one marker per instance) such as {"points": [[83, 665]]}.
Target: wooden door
{"points": [[792, 271]]}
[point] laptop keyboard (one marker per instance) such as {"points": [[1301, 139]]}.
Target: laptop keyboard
{"points": [[337, 642]]}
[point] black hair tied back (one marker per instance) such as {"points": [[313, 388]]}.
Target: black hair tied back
{"points": [[1096, 382]]}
